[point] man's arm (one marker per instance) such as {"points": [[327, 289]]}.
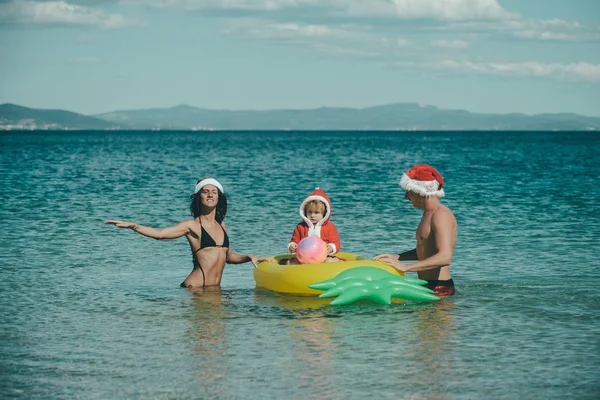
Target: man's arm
{"points": [[408, 255], [394, 259], [442, 225]]}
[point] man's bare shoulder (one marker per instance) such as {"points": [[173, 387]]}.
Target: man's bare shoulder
{"points": [[443, 215]]}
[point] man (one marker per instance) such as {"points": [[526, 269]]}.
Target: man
{"points": [[436, 233]]}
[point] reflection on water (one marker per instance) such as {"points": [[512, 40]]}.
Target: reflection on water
{"points": [[207, 328], [331, 343], [435, 327], [313, 353], [311, 332], [106, 318], [435, 330], [289, 302]]}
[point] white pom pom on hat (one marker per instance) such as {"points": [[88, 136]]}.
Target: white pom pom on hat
{"points": [[424, 180]]}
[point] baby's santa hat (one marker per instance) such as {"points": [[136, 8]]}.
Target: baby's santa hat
{"points": [[317, 194], [424, 180]]}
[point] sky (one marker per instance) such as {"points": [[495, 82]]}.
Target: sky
{"points": [[493, 56]]}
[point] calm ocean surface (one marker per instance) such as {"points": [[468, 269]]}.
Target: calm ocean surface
{"points": [[93, 312]]}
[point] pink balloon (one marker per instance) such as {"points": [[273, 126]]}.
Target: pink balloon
{"points": [[311, 250]]}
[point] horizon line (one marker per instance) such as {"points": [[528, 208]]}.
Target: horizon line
{"points": [[420, 105]]}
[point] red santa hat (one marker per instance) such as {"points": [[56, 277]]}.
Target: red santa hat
{"points": [[317, 194], [424, 180]]}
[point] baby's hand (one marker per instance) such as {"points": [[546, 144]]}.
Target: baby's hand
{"points": [[293, 247]]}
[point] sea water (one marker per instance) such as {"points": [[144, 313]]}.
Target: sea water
{"points": [[95, 312]]}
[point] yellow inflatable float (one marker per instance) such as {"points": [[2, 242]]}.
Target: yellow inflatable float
{"points": [[295, 279]]}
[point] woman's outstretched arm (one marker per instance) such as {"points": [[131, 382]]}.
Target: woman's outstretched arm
{"points": [[173, 232], [235, 258]]}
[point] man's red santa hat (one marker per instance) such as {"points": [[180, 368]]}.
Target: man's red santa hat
{"points": [[424, 180]]}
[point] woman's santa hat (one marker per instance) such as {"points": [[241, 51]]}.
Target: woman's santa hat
{"points": [[424, 180], [208, 181]]}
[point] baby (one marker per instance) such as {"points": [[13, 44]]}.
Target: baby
{"points": [[315, 211]]}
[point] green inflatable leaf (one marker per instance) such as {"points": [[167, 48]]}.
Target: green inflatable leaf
{"points": [[374, 284]]}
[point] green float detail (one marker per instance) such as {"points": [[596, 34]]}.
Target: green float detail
{"points": [[373, 284]]}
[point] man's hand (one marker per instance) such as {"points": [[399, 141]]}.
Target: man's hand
{"points": [[395, 257], [393, 260]]}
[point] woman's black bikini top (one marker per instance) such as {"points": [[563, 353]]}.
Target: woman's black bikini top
{"points": [[207, 241]]}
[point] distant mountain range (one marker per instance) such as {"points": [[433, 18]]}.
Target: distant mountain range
{"points": [[17, 117], [400, 116]]}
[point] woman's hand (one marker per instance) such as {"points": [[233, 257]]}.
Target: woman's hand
{"points": [[258, 259], [293, 247], [122, 224]]}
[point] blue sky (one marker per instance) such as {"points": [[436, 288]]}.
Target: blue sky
{"points": [[94, 56]]}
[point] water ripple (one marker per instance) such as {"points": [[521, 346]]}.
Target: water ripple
{"points": [[88, 311]]}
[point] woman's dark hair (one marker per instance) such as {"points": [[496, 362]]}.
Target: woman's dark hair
{"points": [[196, 206]]}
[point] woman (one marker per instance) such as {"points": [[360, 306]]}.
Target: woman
{"points": [[206, 233]]}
